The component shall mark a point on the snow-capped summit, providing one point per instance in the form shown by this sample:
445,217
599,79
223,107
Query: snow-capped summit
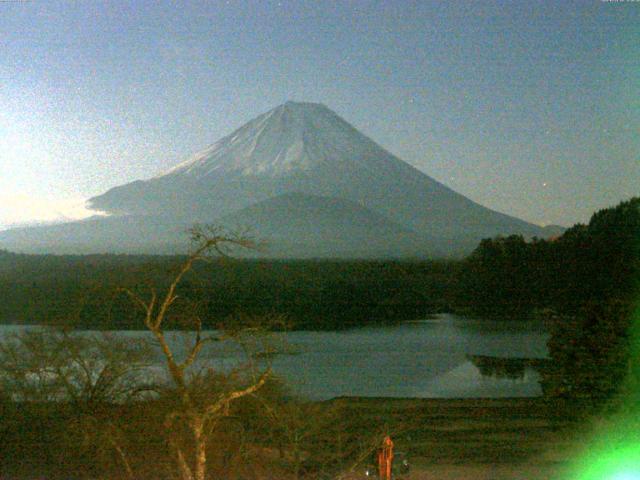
293,136
306,179
295,147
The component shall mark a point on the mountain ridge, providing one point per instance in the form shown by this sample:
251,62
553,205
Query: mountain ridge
306,148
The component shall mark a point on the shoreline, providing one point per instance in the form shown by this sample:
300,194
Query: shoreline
480,438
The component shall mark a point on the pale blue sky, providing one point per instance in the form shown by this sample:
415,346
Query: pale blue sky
530,108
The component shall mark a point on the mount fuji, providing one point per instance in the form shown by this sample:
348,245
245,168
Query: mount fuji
300,177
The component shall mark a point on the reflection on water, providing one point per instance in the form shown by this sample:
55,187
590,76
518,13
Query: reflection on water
427,358
511,368
416,359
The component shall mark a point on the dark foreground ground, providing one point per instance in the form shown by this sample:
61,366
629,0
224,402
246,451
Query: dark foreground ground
478,439
491,439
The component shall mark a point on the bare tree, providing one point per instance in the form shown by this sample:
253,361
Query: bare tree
201,399
307,434
87,372
93,373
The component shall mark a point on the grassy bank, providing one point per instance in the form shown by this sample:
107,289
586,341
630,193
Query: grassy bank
516,438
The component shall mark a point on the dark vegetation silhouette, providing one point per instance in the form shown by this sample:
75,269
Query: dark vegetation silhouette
597,262
321,294
584,282
92,405
74,403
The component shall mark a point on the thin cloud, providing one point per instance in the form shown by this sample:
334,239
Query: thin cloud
19,209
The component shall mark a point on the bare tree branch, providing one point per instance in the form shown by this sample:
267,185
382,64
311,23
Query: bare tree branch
193,412
225,399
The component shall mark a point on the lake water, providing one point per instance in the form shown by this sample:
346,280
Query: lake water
425,358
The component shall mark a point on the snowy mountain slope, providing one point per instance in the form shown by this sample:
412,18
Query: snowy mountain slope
306,149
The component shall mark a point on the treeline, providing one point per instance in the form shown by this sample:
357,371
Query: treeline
586,282
590,263
508,277
87,291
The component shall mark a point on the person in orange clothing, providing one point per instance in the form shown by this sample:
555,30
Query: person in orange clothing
385,459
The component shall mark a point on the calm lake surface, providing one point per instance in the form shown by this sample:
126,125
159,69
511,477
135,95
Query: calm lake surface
425,358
